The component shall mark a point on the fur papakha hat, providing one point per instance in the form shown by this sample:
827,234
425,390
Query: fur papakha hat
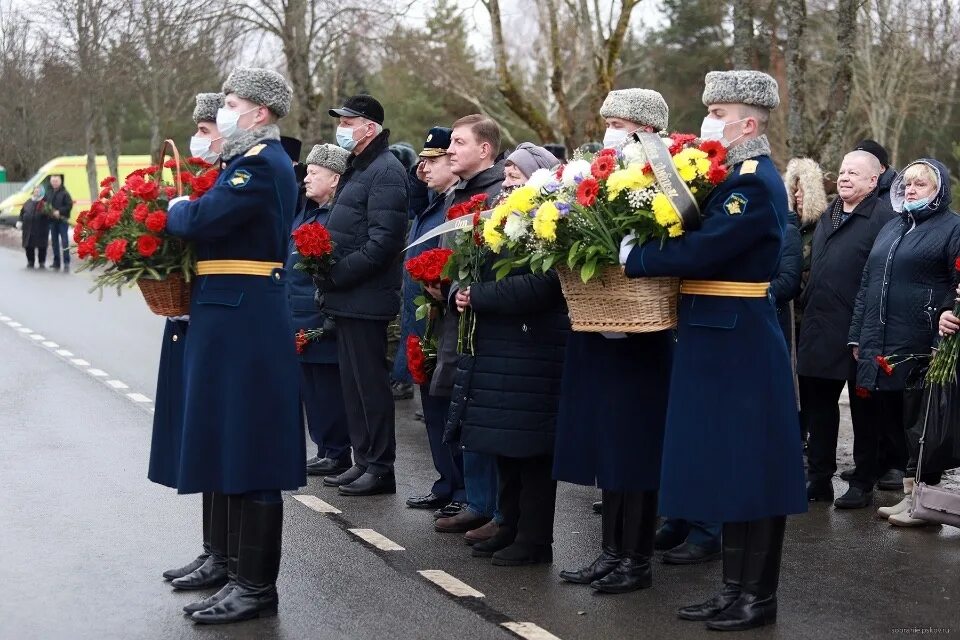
643,106
330,156
262,86
741,87
207,106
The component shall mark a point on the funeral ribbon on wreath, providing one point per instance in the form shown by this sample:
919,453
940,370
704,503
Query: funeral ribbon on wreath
669,180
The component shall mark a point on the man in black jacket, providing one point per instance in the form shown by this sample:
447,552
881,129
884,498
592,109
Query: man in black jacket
368,224
59,198
841,244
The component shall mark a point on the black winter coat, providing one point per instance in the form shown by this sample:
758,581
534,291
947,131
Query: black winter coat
505,397
60,200
368,223
786,285
836,264
35,224
909,273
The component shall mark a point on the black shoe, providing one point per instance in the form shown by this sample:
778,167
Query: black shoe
206,603
605,563
689,553
211,574
747,612
346,477
503,538
173,574
328,466
429,501
242,603
598,507
630,574
668,538
518,554
611,543
402,391
30,266
370,484
892,480
854,498
450,510
847,475
711,608
55,266
820,491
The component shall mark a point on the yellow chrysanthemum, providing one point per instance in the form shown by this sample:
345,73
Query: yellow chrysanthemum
500,214
492,236
631,177
690,155
521,199
664,213
688,172
703,166
675,231
545,222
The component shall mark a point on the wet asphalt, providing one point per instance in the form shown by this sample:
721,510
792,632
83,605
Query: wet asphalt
84,536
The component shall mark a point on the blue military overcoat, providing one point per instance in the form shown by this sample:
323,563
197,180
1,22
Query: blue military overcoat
731,451
304,313
168,407
613,407
241,426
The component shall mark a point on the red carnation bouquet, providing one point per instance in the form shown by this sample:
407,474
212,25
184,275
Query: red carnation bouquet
124,231
313,244
465,263
427,270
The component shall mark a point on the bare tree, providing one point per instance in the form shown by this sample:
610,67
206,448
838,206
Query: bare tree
829,136
796,18
744,45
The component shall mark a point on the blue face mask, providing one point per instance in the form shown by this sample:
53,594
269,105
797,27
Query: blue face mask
916,205
345,138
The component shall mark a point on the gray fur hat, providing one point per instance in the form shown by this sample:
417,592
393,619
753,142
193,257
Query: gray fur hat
643,106
330,156
741,87
207,106
262,86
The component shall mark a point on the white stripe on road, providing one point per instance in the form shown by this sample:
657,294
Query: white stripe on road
317,504
116,384
529,631
25,330
138,397
4,319
37,337
64,353
450,584
80,362
13,324
50,344
100,373
380,542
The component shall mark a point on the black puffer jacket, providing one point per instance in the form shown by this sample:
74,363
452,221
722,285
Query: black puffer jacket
368,223
786,285
908,274
505,398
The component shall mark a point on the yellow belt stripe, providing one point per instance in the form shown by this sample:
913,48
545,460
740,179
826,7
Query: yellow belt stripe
725,289
236,267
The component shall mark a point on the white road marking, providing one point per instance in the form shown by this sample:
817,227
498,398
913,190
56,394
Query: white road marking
451,585
317,504
116,384
379,541
80,362
37,337
50,344
4,318
100,373
529,631
64,353
14,324
25,330
138,397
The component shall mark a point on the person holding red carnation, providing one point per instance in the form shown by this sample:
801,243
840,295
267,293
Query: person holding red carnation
320,390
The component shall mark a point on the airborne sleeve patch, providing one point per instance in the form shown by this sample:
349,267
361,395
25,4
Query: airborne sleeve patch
239,179
735,204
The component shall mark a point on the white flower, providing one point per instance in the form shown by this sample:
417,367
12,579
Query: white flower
634,154
540,178
516,226
575,169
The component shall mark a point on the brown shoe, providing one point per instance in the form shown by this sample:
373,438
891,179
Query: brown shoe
460,523
485,532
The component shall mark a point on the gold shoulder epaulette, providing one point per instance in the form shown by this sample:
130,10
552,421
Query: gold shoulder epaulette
748,167
254,150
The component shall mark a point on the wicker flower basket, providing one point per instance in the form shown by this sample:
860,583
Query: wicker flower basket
168,297
615,303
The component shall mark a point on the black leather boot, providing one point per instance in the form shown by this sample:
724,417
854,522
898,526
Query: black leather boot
639,528
612,539
503,538
255,592
734,540
231,534
757,604
213,572
173,574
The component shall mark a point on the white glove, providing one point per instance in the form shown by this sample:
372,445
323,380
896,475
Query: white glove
19,225
626,246
177,200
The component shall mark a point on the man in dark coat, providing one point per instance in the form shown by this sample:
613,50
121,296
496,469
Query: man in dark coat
320,389
243,438
618,450
368,224
35,228
841,243
59,198
474,144
731,451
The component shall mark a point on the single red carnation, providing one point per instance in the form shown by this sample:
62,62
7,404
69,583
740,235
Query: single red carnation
204,182
885,365
301,341
87,249
106,182
140,212
198,161
111,218
115,250
170,164
134,180
603,166
607,152
478,200
863,392
477,230
956,265
147,191
77,232
560,171
588,191
147,245
458,211
156,221
717,174
171,192
105,193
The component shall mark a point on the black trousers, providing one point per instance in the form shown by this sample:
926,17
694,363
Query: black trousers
41,255
820,415
323,403
883,446
528,495
365,380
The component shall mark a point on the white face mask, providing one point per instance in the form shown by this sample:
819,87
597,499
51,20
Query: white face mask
227,121
200,148
615,138
712,129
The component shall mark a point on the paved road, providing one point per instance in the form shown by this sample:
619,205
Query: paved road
84,535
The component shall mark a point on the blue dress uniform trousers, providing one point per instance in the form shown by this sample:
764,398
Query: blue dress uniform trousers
447,458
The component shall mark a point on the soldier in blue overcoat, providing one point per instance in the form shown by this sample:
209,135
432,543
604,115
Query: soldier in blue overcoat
242,433
320,389
617,449
209,569
731,451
